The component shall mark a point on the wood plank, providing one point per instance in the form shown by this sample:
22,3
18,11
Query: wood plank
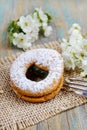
42,125
64,121
31,128
82,113
52,123
85,107
77,118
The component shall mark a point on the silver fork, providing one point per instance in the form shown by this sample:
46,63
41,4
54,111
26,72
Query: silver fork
77,85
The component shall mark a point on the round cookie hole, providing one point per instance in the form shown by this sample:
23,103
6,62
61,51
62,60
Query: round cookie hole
35,73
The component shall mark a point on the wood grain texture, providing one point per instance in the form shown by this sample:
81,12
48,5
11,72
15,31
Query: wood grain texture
65,13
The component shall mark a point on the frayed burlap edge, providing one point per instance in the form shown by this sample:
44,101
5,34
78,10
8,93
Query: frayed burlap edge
27,122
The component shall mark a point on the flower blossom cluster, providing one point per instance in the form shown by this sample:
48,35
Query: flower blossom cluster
74,50
26,29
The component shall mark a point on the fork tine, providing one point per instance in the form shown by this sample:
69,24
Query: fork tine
84,94
67,80
76,87
77,91
72,85
78,79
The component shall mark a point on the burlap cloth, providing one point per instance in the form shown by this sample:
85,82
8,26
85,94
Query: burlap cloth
15,113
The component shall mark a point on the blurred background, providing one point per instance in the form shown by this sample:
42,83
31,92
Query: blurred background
64,14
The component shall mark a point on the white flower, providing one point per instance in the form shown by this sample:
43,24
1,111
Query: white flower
75,26
84,45
21,41
44,25
47,31
64,44
69,62
33,36
76,37
30,26
28,23
36,20
84,67
42,16
74,50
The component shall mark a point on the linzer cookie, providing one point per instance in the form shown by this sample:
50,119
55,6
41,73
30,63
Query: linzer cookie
42,98
37,75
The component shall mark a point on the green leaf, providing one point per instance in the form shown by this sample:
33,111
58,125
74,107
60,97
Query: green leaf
49,17
37,16
11,37
41,31
13,27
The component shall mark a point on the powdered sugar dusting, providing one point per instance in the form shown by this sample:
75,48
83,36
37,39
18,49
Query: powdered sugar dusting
45,57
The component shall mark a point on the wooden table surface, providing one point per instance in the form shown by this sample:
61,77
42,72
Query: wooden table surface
65,13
